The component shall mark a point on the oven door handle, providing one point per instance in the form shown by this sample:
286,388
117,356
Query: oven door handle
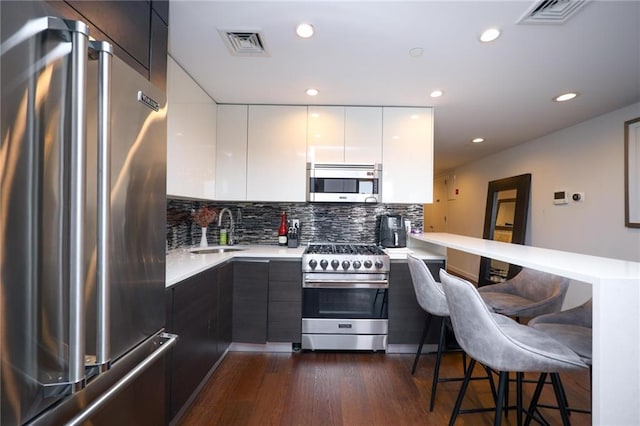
346,284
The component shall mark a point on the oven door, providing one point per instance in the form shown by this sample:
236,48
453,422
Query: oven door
345,302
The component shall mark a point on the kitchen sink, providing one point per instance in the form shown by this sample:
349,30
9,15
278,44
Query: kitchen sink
215,249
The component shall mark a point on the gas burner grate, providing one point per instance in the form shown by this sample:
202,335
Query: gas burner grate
344,249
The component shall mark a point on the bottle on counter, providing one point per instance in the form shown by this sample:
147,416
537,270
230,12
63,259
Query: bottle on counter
282,230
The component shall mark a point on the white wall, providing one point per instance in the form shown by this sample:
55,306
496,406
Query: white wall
587,157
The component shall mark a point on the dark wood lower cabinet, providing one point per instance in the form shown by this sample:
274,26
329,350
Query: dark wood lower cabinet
285,301
406,317
225,307
250,299
199,312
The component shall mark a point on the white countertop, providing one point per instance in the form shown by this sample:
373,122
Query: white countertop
581,267
182,264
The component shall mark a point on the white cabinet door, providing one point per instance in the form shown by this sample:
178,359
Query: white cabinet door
407,155
325,135
339,134
277,153
191,137
231,155
363,135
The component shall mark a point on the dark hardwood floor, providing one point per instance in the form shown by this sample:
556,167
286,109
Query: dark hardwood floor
331,388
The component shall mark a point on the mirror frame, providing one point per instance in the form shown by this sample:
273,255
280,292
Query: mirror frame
522,185
631,174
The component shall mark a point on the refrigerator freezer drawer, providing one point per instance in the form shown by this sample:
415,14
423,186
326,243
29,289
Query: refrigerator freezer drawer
131,392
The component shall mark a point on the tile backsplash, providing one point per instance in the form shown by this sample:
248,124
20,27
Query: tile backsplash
257,223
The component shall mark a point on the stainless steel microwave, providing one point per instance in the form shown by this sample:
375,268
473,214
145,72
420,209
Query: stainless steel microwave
338,182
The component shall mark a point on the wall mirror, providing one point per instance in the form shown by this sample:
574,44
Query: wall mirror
632,173
505,220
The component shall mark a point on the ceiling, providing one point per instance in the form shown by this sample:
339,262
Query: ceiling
501,91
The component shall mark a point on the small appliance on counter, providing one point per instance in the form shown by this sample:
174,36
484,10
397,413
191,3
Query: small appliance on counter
393,232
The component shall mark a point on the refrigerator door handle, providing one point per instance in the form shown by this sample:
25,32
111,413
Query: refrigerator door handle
127,379
63,27
102,52
79,42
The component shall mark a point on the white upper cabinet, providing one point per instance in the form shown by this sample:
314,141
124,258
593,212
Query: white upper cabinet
276,157
231,156
339,134
407,155
363,135
325,135
191,137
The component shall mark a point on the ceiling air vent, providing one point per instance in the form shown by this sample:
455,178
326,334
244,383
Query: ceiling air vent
244,43
551,11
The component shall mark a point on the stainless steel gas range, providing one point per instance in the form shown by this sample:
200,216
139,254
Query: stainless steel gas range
345,297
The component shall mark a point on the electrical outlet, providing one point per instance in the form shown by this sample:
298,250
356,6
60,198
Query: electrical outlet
577,196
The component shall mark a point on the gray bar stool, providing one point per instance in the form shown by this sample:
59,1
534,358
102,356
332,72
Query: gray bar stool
432,300
573,328
503,345
530,293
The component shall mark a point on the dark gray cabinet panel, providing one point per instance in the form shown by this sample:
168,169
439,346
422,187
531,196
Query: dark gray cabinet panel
285,301
406,317
126,23
250,298
138,31
194,319
225,304
198,310
158,52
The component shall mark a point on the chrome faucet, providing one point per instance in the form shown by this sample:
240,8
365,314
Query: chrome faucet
231,236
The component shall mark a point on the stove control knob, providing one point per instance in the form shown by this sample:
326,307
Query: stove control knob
324,263
379,264
356,264
335,264
313,263
367,264
345,264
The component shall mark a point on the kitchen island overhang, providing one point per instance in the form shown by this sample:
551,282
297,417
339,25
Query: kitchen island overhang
616,323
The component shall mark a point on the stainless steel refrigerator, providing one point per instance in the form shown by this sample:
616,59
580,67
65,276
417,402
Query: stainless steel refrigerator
82,228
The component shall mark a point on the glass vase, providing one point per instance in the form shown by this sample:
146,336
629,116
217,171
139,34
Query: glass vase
203,237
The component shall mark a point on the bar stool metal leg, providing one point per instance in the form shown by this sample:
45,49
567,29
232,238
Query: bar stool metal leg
424,337
436,371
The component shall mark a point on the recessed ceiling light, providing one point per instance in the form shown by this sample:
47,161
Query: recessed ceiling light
304,30
416,52
312,92
565,97
436,93
490,35
477,140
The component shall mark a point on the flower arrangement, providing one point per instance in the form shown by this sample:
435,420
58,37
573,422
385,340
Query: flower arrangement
204,216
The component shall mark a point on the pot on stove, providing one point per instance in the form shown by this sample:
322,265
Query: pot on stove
392,231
